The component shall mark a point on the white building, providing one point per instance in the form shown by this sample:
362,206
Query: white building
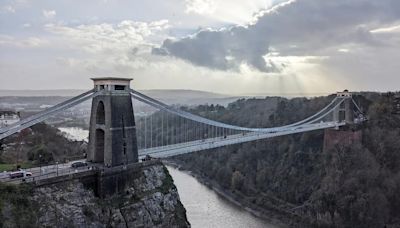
8,117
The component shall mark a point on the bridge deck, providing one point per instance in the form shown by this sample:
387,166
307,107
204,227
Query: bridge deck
210,143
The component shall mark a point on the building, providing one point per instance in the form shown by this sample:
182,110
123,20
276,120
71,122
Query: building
8,117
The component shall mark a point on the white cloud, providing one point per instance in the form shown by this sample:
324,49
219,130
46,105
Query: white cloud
49,13
290,63
99,49
344,50
200,6
30,42
12,6
390,29
126,36
227,11
26,25
9,9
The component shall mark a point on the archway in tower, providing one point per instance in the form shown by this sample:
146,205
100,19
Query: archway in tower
99,153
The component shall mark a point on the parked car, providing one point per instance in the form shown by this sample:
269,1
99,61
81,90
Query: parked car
19,174
78,164
147,158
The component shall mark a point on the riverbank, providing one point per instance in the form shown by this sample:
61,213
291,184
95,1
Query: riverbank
275,215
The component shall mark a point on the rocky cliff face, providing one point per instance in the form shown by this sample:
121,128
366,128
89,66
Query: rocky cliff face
150,201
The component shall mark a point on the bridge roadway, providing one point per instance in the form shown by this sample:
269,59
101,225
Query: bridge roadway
210,143
61,169
48,171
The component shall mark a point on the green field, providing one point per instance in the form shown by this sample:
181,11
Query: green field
9,167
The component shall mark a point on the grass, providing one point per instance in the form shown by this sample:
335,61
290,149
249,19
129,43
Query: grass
10,167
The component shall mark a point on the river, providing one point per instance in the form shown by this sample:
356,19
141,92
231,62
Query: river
204,207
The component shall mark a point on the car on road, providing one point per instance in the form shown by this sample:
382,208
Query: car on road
78,164
147,158
19,174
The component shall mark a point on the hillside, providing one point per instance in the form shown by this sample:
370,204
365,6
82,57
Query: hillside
346,186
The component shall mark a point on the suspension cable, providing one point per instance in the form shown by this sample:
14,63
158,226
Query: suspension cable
193,117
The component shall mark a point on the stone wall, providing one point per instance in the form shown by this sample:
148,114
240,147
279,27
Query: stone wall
343,137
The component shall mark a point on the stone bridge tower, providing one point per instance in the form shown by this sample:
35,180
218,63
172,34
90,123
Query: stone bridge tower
112,133
345,110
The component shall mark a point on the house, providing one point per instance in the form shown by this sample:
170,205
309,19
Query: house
8,117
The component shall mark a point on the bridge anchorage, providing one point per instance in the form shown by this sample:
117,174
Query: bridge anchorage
117,140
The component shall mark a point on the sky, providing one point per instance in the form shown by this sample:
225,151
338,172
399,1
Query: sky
223,46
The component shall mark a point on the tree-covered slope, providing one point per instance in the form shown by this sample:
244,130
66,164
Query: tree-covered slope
345,186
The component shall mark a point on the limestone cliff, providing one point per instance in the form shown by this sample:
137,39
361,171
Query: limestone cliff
151,200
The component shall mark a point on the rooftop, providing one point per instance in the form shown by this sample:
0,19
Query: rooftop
112,78
7,112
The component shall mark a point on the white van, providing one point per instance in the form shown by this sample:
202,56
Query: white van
19,174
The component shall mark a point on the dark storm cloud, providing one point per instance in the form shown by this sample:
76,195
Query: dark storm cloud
303,27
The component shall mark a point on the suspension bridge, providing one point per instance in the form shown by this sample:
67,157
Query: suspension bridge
117,138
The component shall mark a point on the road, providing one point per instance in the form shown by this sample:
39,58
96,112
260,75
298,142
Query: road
47,172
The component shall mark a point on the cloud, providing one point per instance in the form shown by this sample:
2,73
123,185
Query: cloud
49,13
108,48
126,36
30,42
225,12
344,50
292,28
391,29
12,6
9,9
200,6
297,46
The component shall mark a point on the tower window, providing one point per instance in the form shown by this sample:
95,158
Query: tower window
119,87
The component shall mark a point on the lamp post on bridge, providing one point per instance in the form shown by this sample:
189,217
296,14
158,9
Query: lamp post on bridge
40,164
57,167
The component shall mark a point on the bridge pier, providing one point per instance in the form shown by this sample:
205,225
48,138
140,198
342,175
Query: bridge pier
116,179
344,112
112,133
